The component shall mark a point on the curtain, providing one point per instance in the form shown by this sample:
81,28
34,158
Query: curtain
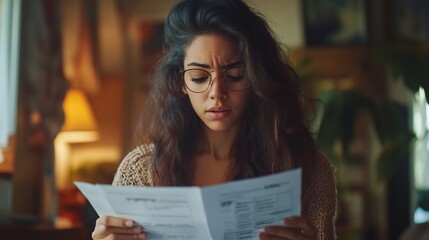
78,39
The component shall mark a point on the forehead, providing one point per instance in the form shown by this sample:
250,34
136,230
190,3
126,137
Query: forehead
212,49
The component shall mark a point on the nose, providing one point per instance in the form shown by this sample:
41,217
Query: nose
218,89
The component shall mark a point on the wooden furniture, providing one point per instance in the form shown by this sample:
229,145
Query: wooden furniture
19,231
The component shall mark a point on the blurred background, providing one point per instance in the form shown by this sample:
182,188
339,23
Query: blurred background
73,80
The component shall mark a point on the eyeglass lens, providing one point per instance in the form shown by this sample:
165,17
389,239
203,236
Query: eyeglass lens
198,80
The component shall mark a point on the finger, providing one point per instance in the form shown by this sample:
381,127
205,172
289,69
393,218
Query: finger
103,230
267,236
118,233
281,232
100,231
125,231
115,221
125,237
302,224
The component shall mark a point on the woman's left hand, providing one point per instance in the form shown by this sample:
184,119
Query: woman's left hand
293,228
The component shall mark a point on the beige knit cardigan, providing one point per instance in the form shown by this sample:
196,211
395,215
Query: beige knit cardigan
318,187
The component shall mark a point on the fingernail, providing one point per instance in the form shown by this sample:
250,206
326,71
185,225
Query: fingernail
142,236
129,223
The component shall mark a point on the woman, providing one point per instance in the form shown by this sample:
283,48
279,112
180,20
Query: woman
225,105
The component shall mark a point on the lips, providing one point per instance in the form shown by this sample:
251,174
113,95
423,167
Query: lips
218,112
218,109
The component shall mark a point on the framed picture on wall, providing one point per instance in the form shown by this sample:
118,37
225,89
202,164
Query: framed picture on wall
412,20
339,22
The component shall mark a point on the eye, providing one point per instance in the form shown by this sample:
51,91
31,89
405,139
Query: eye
202,79
197,76
234,74
234,78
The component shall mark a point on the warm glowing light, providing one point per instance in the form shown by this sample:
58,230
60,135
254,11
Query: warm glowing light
79,127
78,114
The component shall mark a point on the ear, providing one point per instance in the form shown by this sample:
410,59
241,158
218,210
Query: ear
184,89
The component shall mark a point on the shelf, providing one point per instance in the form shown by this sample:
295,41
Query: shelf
331,62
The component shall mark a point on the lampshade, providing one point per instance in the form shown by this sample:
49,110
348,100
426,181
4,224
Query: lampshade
79,127
79,124
78,113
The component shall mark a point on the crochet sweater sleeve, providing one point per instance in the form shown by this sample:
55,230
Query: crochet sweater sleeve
319,197
134,170
318,187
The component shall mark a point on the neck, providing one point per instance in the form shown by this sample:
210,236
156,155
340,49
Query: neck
219,145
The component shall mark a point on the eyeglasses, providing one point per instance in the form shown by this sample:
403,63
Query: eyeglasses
199,80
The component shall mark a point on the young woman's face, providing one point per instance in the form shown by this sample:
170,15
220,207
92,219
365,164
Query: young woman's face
219,103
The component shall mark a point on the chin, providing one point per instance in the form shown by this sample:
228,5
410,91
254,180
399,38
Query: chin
218,128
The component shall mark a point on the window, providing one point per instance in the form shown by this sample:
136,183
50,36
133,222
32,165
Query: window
421,155
9,58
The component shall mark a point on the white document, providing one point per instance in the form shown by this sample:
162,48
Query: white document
232,211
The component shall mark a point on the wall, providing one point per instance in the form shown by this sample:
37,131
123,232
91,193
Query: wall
285,18
6,196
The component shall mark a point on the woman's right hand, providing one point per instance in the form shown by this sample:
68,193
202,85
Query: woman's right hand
108,227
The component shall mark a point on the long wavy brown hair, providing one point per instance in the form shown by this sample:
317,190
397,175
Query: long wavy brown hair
275,134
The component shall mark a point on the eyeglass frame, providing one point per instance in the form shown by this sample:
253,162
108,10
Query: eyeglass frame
183,71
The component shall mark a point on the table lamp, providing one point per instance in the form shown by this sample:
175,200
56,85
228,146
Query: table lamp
79,127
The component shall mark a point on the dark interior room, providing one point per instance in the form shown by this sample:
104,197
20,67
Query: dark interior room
74,79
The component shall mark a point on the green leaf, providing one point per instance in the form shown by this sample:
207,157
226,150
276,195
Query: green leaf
339,119
411,64
393,117
305,77
392,152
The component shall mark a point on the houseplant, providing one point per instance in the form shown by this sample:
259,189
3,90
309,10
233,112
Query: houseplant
341,108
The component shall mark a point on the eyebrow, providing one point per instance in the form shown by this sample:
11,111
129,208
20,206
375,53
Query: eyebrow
229,65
